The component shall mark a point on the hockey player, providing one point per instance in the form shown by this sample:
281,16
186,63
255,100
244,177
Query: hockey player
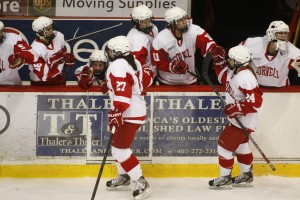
273,55
12,48
126,80
243,98
173,51
49,42
93,73
142,34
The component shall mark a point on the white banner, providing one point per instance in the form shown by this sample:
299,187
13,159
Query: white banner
115,8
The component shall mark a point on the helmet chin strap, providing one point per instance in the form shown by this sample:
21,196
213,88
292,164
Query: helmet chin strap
238,65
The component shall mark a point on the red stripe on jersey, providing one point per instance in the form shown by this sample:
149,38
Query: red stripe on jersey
141,55
135,118
159,58
202,43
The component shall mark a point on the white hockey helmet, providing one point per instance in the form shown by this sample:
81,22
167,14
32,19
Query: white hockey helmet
120,46
174,14
98,55
275,27
1,25
141,12
40,23
240,54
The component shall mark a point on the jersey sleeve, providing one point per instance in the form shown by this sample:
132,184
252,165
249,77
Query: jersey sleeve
221,73
159,57
204,43
25,51
141,55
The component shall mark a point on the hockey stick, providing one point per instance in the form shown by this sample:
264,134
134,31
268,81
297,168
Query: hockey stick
71,50
205,66
103,163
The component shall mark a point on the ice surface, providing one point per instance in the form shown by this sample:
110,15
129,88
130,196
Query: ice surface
265,187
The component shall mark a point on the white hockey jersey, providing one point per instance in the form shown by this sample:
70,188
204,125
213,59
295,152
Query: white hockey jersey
167,48
271,70
141,44
125,90
46,52
242,86
9,76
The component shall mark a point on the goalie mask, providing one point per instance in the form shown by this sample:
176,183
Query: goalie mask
99,63
275,28
239,56
176,15
142,18
43,26
117,47
2,33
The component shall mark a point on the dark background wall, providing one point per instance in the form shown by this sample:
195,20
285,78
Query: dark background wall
229,22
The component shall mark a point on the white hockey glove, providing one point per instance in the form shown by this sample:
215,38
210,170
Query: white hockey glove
296,64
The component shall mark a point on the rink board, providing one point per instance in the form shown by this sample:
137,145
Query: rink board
63,133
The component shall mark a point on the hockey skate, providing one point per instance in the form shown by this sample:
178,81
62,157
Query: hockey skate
243,180
121,183
142,189
221,183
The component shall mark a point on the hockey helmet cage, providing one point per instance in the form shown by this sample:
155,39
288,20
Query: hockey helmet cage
120,46
275,27
240,54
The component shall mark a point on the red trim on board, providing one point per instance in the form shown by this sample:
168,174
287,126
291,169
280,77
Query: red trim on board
190,88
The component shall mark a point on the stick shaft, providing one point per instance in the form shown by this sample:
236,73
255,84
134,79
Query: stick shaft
102,164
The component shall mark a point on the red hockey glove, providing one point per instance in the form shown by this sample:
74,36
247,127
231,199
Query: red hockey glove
178,67
70,60
115,119
15,61
103,86
148,76
85,78
218,56
56,59
233,110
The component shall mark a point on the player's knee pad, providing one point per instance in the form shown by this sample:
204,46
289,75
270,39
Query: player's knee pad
120,154
243,149
224,153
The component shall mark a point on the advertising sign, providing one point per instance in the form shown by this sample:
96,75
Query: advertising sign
183,126
41,8
65,123
187,125
114,8
12,7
